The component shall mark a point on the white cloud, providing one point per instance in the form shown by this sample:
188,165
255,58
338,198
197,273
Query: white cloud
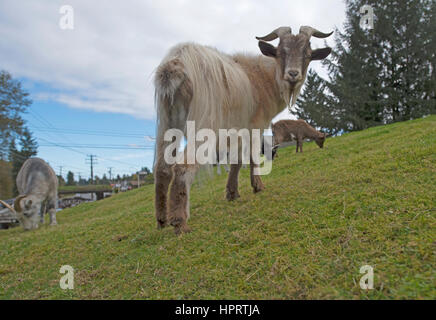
106,63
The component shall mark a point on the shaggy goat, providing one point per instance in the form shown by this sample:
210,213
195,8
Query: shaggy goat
298,130
220,91
38,186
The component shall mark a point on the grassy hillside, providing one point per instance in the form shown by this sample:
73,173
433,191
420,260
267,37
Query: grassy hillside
367,199
98,187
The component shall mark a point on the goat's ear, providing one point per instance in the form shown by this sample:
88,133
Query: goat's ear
320,54
28,203
268,49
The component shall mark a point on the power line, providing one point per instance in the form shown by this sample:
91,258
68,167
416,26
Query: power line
98,146
18,155
69,148
56,164
48,125
61,146
94,132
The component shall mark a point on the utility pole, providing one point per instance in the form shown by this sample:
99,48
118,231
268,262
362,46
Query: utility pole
79,175
60,170
91,160
110,173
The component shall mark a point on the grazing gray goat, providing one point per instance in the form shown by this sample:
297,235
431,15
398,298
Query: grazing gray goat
38,186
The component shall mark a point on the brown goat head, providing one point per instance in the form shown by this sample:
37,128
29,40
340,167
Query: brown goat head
320,139
293,55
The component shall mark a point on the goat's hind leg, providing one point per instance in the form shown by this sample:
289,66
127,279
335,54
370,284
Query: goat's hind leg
256,182
42,212
232,182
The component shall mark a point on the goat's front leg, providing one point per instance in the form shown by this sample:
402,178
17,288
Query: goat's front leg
52,214
183,176
42,213
232,183
256,182
300,144
52,206
162,178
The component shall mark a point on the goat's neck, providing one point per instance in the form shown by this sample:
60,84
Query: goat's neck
280,93
311,133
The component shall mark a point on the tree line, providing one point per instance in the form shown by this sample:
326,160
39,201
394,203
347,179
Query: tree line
146,177
16,141
375,76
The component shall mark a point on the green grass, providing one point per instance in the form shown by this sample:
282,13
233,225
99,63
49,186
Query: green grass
368,198
98,187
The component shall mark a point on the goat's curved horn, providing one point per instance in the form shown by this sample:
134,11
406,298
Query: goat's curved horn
277,33
8,206
17,201
312,32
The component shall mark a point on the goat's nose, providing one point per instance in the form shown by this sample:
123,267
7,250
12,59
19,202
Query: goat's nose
293,73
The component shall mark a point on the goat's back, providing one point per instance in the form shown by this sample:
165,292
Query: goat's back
221,91
36,176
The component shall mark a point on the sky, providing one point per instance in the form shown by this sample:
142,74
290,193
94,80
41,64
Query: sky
92,86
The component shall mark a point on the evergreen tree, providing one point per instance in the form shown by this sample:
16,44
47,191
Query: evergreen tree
13,102
61,180
70,179
104,179
407,52
314,105
29,148
377,76
146,170
82,182
430,85
6,182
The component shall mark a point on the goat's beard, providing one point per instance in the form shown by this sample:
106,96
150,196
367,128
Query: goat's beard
296,92
289,92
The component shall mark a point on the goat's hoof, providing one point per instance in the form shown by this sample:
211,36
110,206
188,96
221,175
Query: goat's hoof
161,224
231,196
178,230
53,224
180,226
258,189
